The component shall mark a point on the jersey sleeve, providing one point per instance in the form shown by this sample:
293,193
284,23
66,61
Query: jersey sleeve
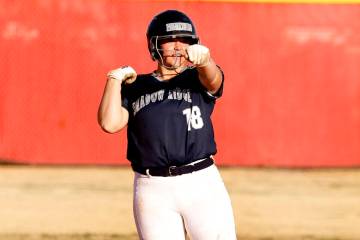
124,97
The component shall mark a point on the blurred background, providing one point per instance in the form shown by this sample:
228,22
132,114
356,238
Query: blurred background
291,101
292,91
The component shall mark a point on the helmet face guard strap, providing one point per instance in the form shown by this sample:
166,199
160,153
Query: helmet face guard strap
160,58
168,25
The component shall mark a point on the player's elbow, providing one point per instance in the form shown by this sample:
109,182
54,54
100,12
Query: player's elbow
111,126
109,129
113,121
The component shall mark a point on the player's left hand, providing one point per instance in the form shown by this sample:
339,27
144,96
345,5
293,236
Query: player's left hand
198,55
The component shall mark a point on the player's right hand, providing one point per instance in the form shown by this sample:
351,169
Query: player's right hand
124,74
198,54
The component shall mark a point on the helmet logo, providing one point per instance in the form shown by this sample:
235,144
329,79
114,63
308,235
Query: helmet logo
178,26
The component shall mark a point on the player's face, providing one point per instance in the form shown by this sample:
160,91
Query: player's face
173,51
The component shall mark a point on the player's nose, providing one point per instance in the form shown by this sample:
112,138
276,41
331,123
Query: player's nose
178,45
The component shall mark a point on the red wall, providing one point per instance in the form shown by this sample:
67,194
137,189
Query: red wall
292,91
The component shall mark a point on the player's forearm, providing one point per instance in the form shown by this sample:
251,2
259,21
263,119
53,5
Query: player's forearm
112,117
210,76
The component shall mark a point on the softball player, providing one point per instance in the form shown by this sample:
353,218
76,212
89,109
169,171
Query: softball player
177,187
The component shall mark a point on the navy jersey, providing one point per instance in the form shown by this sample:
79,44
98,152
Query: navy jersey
169,121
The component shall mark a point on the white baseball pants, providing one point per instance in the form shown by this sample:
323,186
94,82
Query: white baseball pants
198,203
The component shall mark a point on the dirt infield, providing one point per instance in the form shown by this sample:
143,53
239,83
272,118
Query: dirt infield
89,203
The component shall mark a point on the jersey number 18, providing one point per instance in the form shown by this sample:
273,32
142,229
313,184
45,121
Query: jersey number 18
193,118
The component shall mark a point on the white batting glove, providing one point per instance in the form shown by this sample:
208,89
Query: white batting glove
124,74
198,55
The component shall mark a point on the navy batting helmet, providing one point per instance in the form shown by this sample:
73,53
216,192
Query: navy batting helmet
169,24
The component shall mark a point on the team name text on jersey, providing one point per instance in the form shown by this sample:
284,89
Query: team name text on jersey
175,94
